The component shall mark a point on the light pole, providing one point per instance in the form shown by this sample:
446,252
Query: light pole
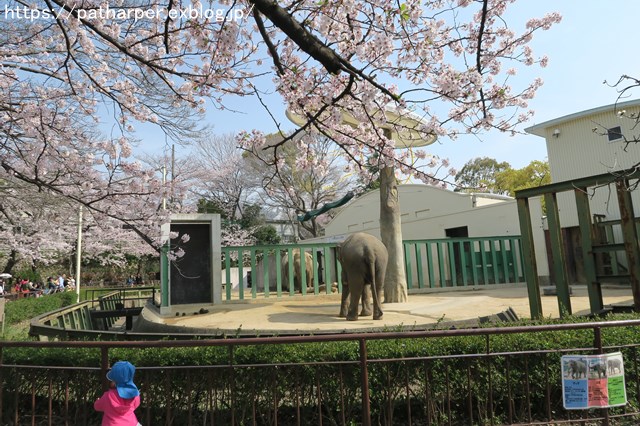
403,129
79,254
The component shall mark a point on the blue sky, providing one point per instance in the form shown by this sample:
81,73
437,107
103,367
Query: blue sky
594,42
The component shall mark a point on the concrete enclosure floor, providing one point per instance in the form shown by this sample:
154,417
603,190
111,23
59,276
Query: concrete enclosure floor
319,314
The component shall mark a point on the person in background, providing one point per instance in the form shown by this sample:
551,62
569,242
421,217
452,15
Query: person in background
61,279
51,285
120,402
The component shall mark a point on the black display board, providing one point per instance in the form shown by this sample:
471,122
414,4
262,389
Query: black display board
191,274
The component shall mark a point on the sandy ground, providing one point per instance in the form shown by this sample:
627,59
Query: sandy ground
318,314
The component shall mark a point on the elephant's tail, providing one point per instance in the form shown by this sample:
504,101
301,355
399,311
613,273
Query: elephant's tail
371,265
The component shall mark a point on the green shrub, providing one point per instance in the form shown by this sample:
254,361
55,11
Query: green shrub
26,308
426,375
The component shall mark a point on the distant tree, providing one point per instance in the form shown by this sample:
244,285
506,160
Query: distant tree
211,206
266,234
252,216
535,174
310,175
480,174
220,175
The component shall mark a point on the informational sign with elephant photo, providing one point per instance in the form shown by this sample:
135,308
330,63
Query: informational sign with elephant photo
593,381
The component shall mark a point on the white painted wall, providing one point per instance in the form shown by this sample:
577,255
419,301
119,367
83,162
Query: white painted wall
576,151
426,212
234,277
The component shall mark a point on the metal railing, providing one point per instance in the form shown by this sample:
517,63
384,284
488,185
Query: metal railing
128,295
492,377
77,322
433,263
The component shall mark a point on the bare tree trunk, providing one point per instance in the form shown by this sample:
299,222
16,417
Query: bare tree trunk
11,262
395,283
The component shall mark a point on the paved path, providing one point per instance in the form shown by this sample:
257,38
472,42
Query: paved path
319,314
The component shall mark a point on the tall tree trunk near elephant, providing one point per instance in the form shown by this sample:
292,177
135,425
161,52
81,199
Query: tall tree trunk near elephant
395,283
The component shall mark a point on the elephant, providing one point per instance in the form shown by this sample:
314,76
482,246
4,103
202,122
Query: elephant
598,370
364,264
296,270
577,369
614,366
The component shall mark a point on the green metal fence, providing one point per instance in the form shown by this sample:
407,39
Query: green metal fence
460,262
434,263
268,277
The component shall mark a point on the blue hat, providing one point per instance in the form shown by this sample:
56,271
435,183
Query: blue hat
122,374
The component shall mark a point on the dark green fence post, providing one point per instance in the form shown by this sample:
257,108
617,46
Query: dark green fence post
241,274
407,264
588,259
227,270
452,263
432,280
441,264
630,237
419,268
559,259
254,275
328,281
315,277
463,262
303,272
278,271
529,256
483,260
474,261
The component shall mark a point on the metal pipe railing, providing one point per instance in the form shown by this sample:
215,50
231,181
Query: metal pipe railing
519,367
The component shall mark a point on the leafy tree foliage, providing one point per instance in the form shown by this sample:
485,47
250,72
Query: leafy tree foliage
487,174
479,174
211,206
266,234
534,174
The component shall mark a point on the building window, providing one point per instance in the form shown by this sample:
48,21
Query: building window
614,133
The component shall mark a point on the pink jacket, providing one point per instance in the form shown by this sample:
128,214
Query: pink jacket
117,411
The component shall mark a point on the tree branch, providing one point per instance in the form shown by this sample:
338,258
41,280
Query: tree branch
296,32
272,49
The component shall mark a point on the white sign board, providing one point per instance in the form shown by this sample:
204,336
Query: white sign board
590,381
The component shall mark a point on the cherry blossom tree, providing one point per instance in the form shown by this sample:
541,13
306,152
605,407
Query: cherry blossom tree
221,174
39,228
82,62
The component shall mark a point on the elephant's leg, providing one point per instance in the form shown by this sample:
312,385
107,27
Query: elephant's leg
309,276
376,290
377,306
344,302
366,301
355,292
296,284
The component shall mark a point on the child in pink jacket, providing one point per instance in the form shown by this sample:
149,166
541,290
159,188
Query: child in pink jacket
120,402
